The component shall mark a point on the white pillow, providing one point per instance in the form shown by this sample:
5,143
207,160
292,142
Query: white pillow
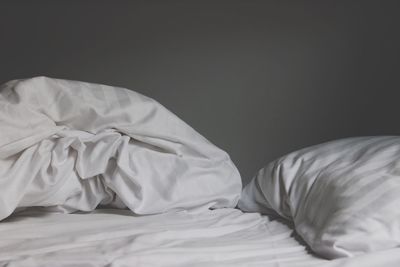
342,196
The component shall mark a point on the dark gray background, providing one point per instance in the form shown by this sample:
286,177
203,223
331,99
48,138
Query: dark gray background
257,78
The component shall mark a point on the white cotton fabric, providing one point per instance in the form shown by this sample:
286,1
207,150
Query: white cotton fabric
73,146
222,237
343,196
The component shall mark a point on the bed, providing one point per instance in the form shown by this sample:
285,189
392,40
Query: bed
93,175
110,237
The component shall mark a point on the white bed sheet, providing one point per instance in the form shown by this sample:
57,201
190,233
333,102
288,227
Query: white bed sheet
116,238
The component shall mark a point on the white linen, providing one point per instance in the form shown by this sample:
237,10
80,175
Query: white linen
117,238
73,146
223,237
343,196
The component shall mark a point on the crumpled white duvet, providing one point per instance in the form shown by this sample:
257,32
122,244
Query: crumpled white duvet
71,146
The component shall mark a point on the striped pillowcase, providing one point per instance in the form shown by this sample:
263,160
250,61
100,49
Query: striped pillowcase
342,196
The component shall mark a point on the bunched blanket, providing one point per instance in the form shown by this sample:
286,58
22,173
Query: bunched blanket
70,146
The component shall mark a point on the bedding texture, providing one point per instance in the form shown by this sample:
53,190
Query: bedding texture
342,196
70,146
105,237
117,238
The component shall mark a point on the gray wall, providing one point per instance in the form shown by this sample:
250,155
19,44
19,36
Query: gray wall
257,78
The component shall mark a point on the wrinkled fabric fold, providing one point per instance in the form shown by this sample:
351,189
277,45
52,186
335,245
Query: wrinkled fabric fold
78,145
